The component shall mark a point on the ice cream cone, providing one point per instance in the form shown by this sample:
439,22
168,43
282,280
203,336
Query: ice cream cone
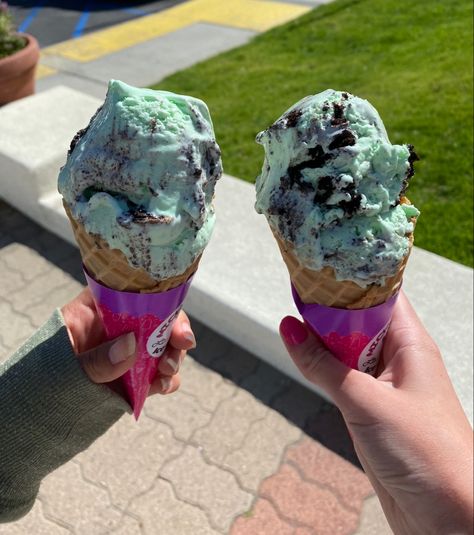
142,176
111,268
332,188
323,288
141,304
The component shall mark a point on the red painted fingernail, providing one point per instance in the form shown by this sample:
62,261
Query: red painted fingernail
293,331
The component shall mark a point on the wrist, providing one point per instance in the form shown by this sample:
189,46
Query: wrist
456,516
458,523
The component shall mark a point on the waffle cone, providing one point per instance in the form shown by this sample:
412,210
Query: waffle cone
323,288
110,267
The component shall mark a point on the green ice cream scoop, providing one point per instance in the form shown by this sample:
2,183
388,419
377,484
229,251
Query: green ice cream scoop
141,176
332,184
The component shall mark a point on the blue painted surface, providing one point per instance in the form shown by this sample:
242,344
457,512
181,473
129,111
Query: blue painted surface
43,17
81,24
30,18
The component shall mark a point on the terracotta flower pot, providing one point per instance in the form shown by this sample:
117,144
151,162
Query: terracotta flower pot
17,72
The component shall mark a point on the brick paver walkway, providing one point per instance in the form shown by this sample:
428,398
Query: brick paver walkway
239,449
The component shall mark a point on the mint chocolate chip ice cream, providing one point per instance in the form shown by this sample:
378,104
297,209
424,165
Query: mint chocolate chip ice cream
141,177
332,186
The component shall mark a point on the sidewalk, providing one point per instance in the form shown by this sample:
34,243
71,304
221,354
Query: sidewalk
239,449
143,51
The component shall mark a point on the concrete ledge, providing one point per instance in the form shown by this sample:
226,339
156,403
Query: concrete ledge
242,289
35,133
242,286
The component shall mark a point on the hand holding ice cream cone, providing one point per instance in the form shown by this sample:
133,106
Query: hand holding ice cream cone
104,362
333,189
138,188
409,430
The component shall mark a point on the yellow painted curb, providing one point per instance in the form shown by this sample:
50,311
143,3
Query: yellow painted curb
254,15
43,70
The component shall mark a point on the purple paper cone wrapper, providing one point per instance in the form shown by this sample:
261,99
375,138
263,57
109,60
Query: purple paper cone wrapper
151,317
355,337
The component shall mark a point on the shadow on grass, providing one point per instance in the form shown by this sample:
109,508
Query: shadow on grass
318,418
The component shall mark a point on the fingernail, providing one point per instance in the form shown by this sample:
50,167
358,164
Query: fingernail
173,364
123,348
165,383
293,331
188,333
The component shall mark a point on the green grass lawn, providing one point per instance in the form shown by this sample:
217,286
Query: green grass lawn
411,59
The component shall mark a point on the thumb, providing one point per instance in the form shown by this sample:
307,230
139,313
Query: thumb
319,365
111,360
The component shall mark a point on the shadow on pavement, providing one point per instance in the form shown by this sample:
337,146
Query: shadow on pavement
16,228
318,418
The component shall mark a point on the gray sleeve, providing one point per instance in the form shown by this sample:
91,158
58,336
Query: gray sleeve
49,412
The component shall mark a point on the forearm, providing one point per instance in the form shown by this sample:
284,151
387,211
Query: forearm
437,496
49,412
457,495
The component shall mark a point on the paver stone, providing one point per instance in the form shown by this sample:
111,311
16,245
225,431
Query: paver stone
262,450
25,260
229,425
19,326
308,504
67,497
163,513
214,490
204,384
261,519
323,466
127,459
34,523
180,411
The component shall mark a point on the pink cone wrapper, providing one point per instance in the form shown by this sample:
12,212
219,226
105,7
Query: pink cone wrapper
355,337
151,317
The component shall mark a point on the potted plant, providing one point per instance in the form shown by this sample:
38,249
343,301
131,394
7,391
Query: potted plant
19,55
